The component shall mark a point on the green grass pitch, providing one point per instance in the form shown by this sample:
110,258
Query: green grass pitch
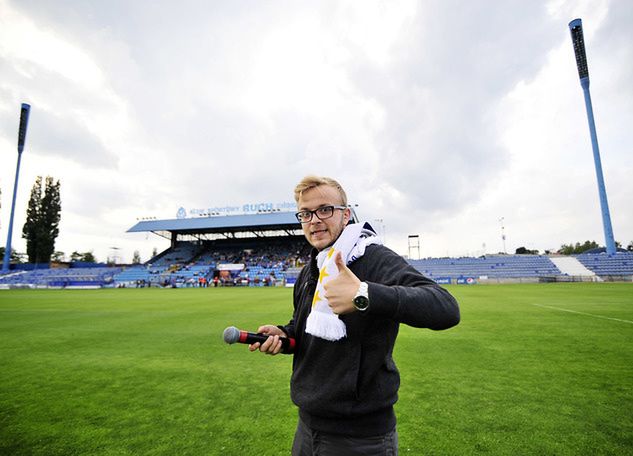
145,372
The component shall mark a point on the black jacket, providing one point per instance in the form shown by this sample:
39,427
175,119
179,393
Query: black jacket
350,386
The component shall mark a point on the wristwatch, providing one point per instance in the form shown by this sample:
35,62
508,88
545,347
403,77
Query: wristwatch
361,300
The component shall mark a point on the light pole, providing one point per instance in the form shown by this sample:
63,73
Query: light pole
414,245
578,41
24,121
114,255
503,235
382,230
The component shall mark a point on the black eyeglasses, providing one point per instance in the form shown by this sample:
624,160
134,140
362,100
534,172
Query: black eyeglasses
322,213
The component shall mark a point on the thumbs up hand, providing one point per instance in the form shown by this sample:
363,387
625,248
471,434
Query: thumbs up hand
340,291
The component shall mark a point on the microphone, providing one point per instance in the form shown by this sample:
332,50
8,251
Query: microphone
232,335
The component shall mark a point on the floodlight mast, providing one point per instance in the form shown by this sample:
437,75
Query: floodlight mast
578,41
24,121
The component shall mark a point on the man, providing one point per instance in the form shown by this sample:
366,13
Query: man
346,383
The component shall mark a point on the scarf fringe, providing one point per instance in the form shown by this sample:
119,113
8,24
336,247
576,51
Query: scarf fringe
325,326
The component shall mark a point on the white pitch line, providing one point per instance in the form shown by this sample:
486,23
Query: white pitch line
583,313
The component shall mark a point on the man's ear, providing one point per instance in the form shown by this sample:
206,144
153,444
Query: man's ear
347,216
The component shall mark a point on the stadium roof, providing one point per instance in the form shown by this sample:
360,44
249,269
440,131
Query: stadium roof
267,221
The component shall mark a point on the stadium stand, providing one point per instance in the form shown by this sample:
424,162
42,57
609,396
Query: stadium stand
273,262
132,276
619,264
268,249
252,262
174,275
83,277
183,252
487,267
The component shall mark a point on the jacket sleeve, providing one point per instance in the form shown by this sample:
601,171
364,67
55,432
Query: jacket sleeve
289,328
398,291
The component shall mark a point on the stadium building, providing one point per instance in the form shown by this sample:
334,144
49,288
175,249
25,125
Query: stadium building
267,248
261,249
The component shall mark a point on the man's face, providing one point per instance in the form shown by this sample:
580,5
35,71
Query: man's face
323,233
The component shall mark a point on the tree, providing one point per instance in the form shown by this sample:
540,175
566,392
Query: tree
42,220
524,251
15,256
58,256
30,229
51,215
578,248
86,257
136,259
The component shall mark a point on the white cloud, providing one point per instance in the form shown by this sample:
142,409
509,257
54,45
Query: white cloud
24,42
438,117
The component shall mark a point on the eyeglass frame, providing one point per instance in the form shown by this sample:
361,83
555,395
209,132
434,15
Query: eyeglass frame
314,212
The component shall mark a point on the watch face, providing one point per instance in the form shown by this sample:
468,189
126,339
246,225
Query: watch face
361,302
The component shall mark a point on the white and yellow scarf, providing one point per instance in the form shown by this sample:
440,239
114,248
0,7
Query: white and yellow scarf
322,322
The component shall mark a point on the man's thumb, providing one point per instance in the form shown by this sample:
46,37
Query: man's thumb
340,263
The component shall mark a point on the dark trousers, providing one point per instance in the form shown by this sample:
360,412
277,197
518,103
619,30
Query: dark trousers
308,442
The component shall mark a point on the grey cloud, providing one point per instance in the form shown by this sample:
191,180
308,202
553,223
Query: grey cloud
180,71
66,137
95,194
56,126
448,74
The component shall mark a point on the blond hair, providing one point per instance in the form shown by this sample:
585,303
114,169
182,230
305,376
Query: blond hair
312,181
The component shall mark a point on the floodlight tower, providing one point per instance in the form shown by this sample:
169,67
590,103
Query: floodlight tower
414,245
578,41
24,121
503,234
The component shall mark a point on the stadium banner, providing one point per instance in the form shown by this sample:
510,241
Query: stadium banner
290,282
230,267
466,281
442,280
248,208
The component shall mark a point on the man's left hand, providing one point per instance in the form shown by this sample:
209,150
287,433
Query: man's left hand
341,290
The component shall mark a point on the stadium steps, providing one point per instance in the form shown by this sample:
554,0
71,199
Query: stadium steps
12,274
571,266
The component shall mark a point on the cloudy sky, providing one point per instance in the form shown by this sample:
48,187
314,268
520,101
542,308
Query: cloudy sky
445,119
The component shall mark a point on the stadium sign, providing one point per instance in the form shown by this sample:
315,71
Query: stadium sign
231,267
250,208
442,280
466,281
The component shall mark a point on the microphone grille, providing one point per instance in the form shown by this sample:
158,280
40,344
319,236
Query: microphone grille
231,335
